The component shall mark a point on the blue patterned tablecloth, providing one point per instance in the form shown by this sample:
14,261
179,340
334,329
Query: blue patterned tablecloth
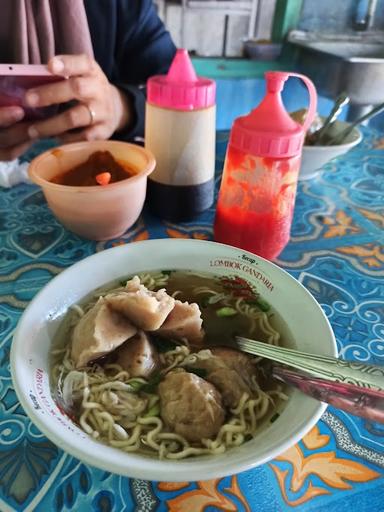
336,251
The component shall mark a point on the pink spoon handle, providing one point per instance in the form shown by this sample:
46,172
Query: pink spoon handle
367,403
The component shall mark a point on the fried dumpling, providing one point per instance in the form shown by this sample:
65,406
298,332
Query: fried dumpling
184,321
98,332
146,309
138,356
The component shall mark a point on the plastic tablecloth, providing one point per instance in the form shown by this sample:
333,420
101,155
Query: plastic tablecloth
335,251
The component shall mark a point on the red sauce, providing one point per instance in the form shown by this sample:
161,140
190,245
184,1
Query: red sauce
256,203
252,231
84,174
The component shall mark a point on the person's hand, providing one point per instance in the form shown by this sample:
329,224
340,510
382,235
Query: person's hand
101,109
14,138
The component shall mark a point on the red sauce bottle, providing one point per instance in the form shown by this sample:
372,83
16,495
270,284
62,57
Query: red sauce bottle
257,193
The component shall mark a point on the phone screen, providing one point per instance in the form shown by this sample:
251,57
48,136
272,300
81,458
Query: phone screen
14,87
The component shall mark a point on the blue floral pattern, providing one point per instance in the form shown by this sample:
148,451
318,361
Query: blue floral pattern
335,251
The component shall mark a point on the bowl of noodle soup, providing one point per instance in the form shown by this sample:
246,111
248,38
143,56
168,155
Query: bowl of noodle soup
200,410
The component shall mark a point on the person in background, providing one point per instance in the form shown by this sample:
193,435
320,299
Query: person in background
105,48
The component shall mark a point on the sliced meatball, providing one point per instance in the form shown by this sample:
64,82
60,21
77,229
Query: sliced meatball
138,356
227,380
190,406
148,310
237,361
98,332
184,321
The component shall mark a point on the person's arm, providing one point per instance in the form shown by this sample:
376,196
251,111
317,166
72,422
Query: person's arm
100,109
143,48
130,44
109,102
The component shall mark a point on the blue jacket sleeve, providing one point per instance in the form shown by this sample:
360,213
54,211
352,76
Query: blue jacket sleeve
131,44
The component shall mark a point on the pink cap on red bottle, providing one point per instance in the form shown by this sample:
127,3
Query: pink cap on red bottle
181,88
269,130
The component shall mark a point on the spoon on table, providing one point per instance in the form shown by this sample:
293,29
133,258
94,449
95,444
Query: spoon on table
352,386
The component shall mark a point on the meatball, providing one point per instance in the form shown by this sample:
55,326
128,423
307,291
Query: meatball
190,406
237,361
229,375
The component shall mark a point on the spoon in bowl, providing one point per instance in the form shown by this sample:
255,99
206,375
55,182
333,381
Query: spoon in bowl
317,138
349,385
366,403
339,138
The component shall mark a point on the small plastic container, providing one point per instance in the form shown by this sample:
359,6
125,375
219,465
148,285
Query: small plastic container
96,213
180,132
258,189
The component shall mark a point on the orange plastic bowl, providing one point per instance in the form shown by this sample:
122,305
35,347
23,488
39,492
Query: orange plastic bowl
96,213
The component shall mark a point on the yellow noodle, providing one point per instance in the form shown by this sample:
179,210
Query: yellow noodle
240,405
78,309
112,412
199,290
149,431
97,423
111,366
148,439
84,425
154,280
173,358
119,431
173,437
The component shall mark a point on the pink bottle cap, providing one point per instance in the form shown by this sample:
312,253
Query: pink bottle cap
181,88
269,131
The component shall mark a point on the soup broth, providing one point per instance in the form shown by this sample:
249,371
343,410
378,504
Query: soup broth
213,295
229,306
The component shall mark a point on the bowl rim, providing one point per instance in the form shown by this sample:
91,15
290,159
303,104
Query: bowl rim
36,178
162,470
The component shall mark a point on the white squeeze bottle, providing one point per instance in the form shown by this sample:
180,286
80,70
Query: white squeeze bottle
180,132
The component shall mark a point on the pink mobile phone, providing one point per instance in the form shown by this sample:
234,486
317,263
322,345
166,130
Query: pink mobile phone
16,79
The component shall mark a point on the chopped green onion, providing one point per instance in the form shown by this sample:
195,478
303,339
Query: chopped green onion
152,400
213,299
167,272
262,304
274,417
226,311
136,385
153,411
152,384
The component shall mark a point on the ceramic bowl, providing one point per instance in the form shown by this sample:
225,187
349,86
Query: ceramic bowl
304,323
315,157
96,213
